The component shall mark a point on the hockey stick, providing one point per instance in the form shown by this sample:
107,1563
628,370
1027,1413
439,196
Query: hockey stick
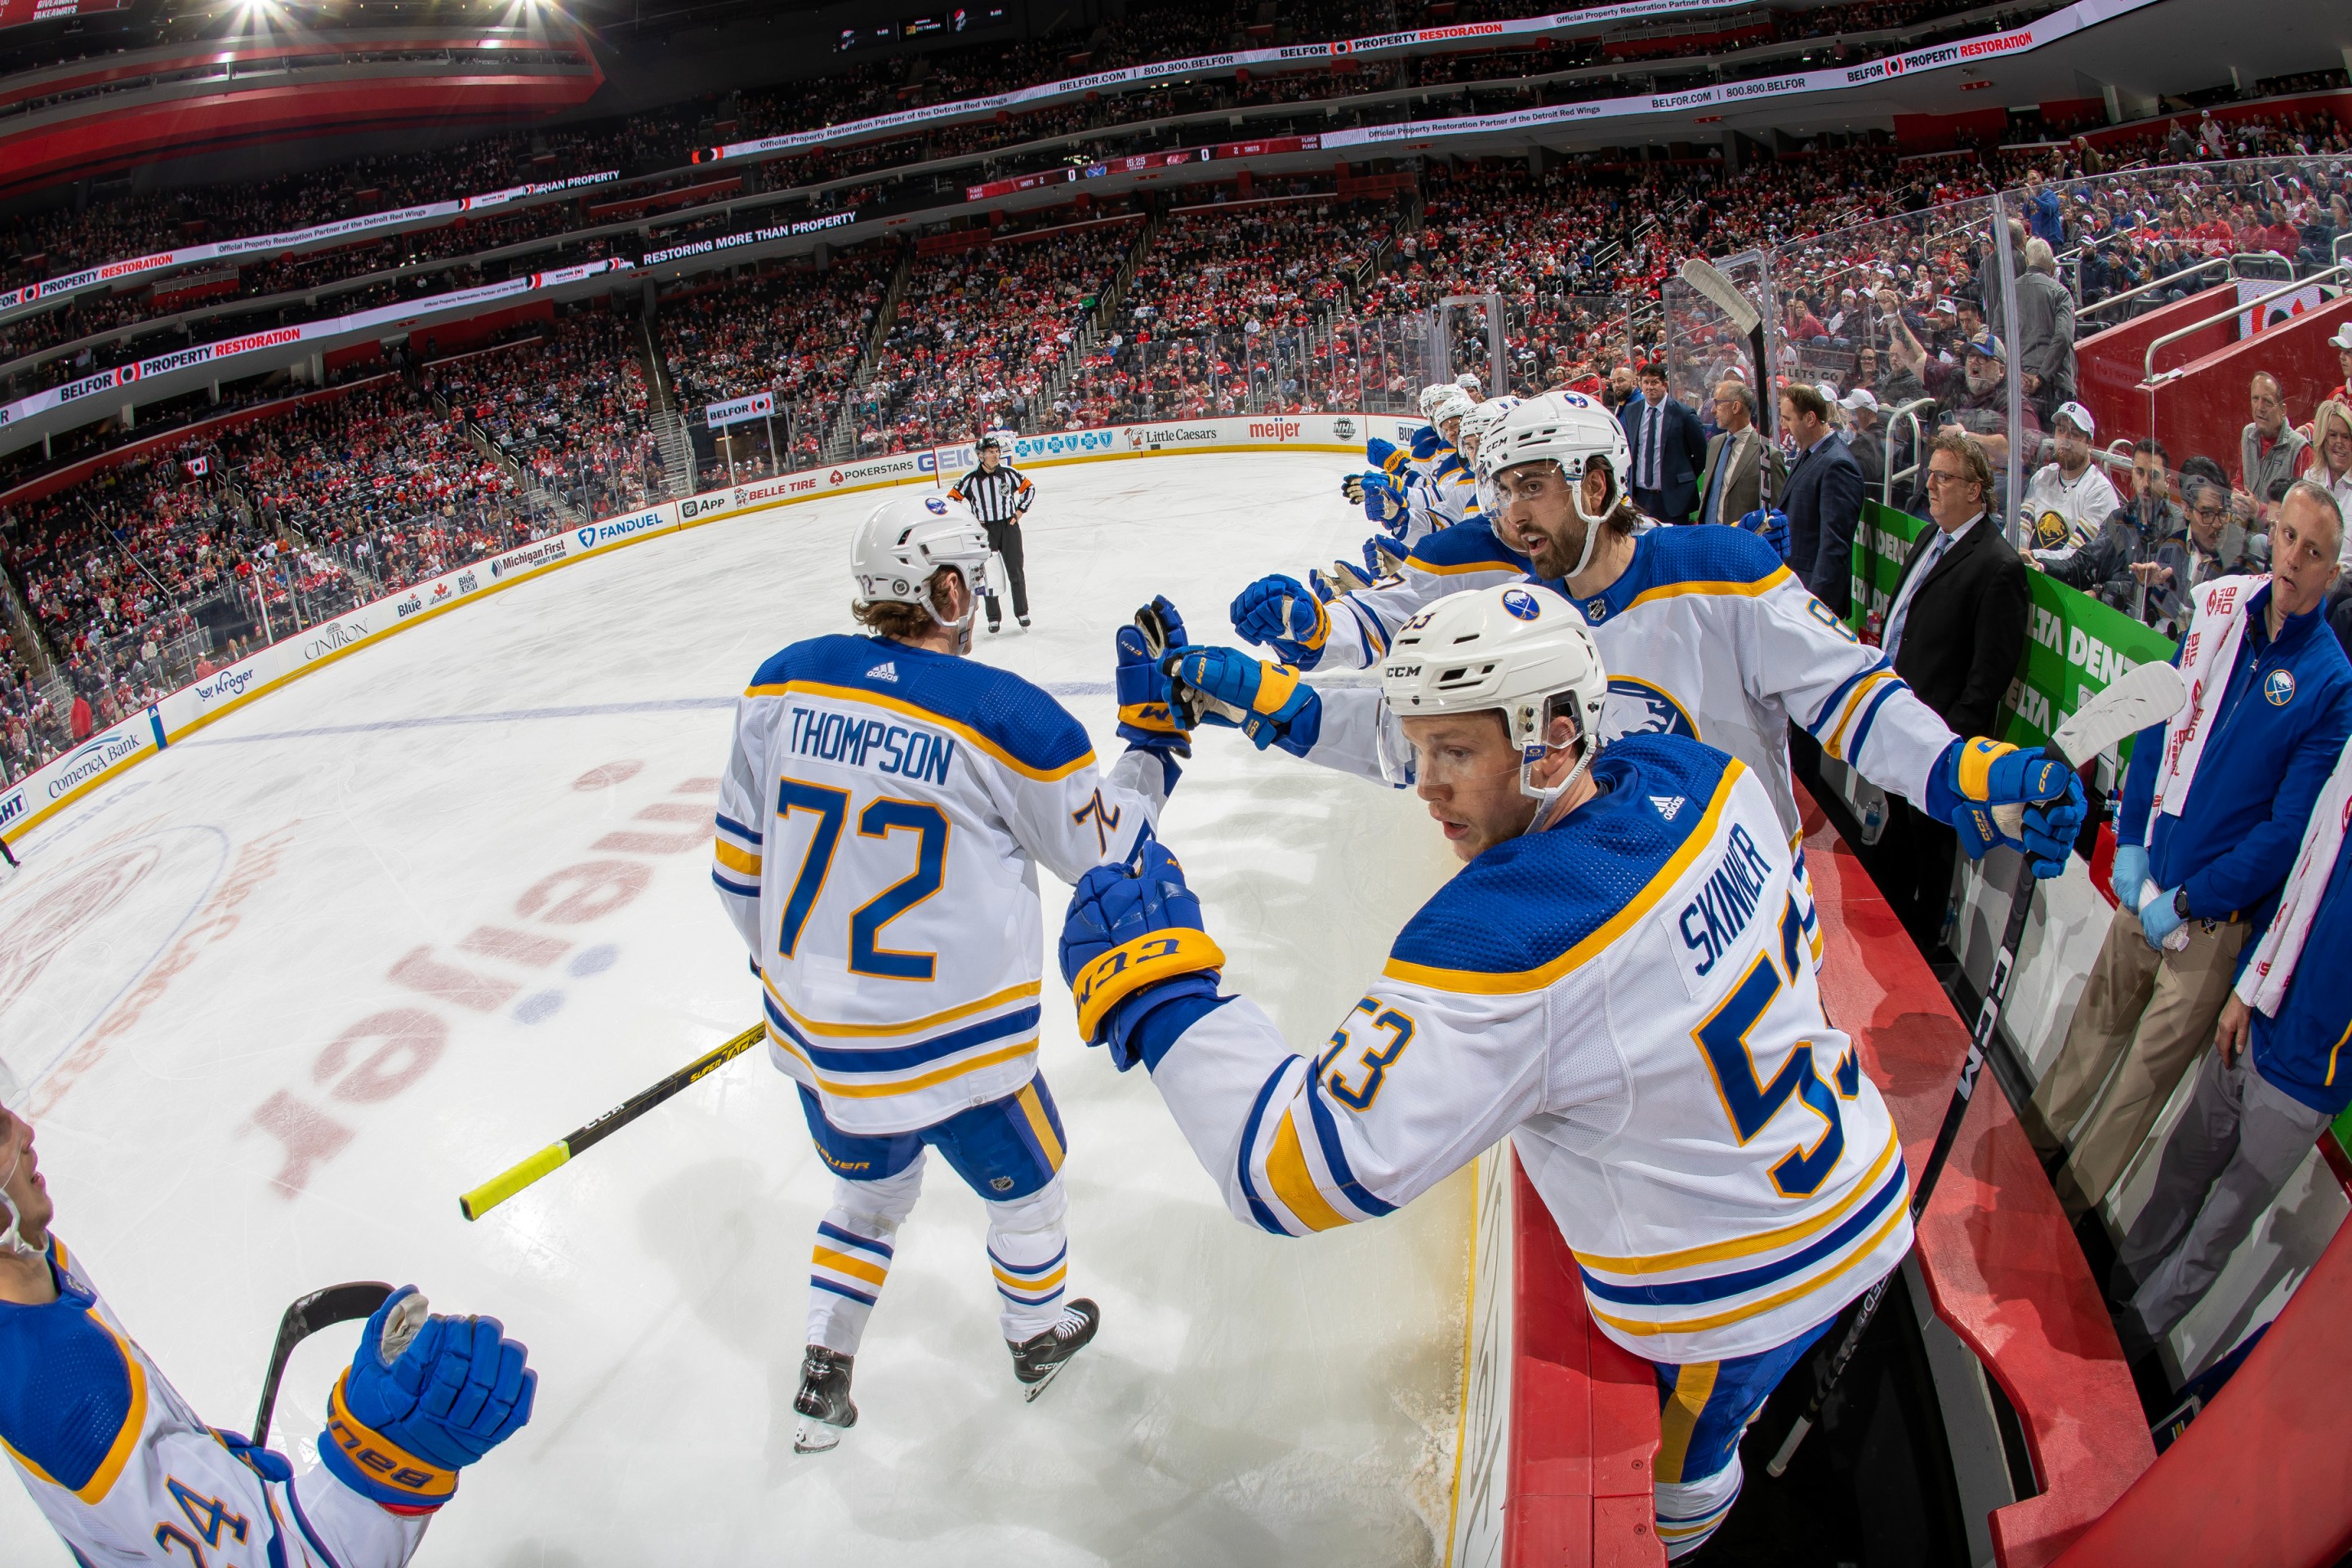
307,1316
1747,320
508,1182
2143,695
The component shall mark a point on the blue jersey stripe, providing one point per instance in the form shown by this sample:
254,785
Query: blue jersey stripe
737,829
897,1059
1836,703
1870,715
827,1227
1327,1133
838,1289
1026,1267
1263,1214
1689,1292
740,889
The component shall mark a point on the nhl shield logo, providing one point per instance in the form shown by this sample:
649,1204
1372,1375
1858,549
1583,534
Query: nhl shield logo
1001,1184
1596,611
1344,428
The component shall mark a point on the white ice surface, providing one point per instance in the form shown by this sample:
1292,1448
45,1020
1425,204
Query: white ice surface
191,948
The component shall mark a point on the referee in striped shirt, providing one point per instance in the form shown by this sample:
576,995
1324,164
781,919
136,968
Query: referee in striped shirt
998,496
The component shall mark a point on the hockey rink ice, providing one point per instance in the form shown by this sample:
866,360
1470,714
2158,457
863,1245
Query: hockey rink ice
279,994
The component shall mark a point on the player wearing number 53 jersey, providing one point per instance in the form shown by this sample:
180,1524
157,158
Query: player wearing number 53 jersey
883,814
1617,980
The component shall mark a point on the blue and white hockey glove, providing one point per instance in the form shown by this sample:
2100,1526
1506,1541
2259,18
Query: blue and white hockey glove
1352,486
1277,708
1146,717
2130,874
1131,944
1383,555
1279,613
1773,525
400,1429
1384,502
1387,457
1973,777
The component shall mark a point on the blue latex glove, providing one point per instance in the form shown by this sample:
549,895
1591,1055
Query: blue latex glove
1279,613
2129,876
1145,716
1773,525
2050,828
2160,920
1280,708
399,1431
1132,943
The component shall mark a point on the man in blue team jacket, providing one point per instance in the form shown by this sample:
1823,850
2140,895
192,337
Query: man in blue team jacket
2145,1012
2245,1133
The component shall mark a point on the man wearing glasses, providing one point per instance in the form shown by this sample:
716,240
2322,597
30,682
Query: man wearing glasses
1736,458
1956,633
2212,546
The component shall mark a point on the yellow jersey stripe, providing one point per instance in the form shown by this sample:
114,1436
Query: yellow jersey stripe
905,1085
932,1020
1835,745
1480,983
856,1267
1286,1169
135,1421
896,705
1766,1241
735,859
1757,1308
1464,569
1040,1125
1757,589
1693,1386
1038,1286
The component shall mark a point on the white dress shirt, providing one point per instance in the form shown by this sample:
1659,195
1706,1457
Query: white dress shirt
1893,640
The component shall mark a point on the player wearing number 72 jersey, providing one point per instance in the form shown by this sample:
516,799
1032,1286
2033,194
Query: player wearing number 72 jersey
1617,979
885,809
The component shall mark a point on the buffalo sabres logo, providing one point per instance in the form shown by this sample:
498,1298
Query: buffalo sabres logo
2279,686
1638,708
1521,605
936,505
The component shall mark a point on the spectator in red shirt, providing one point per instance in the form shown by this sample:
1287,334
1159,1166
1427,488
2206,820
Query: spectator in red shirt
81,721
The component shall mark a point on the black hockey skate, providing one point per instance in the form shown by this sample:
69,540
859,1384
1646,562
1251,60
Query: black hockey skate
823,1401
1036,1362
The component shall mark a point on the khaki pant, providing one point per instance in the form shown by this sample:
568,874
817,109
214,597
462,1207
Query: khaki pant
2142,1020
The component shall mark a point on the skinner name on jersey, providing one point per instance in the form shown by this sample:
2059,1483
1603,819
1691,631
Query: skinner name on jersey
906,750
1713,921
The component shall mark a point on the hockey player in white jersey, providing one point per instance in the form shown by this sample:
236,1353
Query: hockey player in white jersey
885,806
1616,979
1412,494
126,1471
1708,634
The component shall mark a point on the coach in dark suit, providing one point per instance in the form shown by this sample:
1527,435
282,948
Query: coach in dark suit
1956,632
1824,499
1669,449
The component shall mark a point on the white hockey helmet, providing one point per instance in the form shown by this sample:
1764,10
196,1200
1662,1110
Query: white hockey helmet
1429,397
1450,403
1574,431
1521,651
1468,382
1480,421
908,537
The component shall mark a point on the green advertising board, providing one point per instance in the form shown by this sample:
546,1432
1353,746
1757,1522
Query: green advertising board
2073,645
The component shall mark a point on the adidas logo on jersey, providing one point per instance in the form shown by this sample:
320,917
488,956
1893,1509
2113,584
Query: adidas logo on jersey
1665,806
887,670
